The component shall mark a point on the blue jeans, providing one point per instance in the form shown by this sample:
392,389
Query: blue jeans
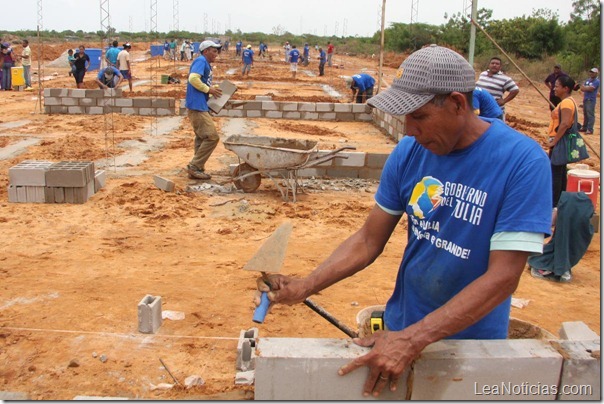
589,114
6,76
26,75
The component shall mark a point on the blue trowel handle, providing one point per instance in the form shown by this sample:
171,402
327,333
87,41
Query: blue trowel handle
261,310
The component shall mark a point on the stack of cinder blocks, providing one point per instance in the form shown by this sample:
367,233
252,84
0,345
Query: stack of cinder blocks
33,181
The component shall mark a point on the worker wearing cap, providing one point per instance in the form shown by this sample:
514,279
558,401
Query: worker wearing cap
123,63
247,57
110,77
550,82
477,197
111,55
590,93
362,87
199,90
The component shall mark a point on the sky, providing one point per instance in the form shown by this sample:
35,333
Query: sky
318,17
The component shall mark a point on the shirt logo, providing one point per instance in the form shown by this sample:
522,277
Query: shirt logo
399,73
426,197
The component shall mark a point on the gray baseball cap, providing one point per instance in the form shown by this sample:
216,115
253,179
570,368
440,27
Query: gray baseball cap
425,73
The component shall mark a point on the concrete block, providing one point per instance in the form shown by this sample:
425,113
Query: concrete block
123,102
345,116
486,370
100,177
327,116
149,314
312,172
354,159
263,98
90,190
141,102
244,378
236,113
328,163
87,102
46,109
343,172
13,396
182,111
223,112
77,92
246,347
292,115
21,195
228,89
270,106
289,106
337,107
577,331
146,111
165,111
29,172
274,114
35,194
48,92
76,110
162,103
112,92
310,116
94,110
12,194
307,107
52,101
253,113
130,111
307,369
69,101
95,93
78,194
59,194
580,379
376,160
252,105
70,174
370,173
324,106
68,195
363,117
364,108
163,183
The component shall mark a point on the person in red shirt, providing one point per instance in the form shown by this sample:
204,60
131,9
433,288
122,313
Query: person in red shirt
329,53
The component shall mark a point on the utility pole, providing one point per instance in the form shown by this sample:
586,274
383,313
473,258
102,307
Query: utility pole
345,27
473,8
381,46
105,25
38,106
175,17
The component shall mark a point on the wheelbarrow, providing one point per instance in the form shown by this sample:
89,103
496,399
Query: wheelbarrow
275,157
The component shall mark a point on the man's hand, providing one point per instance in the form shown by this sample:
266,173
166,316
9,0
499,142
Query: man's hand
283,289
392,353
215,91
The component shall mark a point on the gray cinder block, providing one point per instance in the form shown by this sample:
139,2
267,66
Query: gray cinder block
274,114
363,117
246,347
12,194
292,115
342,107
289,106
307,107
577,331
253,113
35,194
228,89
163,183
580,379
354,159
364,108
141,102
149,314
70,174
327,116
270,106
324,106
307,369
29,172
376,160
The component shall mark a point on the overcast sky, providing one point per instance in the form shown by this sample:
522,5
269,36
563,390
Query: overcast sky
319,17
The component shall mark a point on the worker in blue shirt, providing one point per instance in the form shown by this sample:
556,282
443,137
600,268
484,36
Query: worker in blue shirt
322,59
306,55
485,105
238,46
294,56
248,60
111,55
362,87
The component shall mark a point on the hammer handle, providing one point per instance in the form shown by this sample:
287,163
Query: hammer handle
321,311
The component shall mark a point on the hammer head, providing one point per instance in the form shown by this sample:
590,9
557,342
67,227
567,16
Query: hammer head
269,258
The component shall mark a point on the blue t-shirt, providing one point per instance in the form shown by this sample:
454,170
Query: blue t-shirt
322,57
362,81
238,45
455,203
248,56
166,46
195,99
294,55
112,54
484,101
306,50
591,95
101,75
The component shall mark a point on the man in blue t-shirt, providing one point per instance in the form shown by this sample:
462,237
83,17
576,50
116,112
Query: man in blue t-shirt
109,77
238,46
477,196
247,57
306,55
322,59
294,55
485,104
111,55
362,87
199,90
590,94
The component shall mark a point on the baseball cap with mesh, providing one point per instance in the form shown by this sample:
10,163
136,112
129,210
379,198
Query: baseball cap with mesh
425,73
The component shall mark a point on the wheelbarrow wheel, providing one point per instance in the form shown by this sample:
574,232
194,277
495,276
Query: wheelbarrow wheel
248,184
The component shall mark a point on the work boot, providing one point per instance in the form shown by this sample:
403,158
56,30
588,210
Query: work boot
197,174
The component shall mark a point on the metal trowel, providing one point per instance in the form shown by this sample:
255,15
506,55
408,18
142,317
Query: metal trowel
269,259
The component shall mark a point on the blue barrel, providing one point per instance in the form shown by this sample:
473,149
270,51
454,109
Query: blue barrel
157,50
196,47
95,58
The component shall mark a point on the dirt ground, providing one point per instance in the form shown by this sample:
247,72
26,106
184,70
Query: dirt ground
71,276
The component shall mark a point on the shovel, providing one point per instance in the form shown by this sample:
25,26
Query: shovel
269,258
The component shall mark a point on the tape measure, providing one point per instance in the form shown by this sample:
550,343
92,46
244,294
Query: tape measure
376,321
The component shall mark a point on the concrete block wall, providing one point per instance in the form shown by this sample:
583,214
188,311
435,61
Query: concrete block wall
33,181
394,126
97,102
513,369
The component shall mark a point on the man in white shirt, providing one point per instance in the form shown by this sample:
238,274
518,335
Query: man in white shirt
123,64
26,63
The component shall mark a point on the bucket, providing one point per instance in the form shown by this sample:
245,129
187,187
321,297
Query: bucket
164,78
583,180
157,50
16,76
95,58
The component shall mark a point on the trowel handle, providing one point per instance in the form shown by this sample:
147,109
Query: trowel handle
261,310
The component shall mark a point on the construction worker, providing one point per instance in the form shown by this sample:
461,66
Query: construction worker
123,63
306,55
111,55
109,77
322,59
247,57
294,55
362,87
